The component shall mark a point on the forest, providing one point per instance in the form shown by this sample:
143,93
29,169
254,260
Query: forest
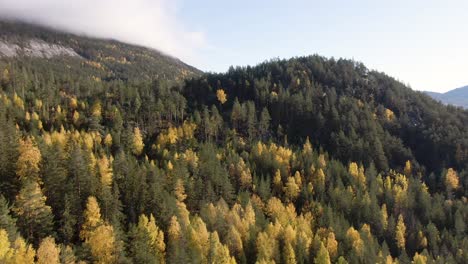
304,160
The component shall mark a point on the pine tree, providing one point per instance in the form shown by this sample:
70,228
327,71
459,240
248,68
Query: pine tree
147,245
7,222
35,218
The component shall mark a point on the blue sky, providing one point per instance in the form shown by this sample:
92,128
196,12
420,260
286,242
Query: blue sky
422,43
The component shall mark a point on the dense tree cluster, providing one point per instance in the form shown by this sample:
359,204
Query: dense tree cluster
308,160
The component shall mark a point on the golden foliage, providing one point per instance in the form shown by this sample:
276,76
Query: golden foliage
353,169
241,172
5,251
73,103
27,165
48,252
323,256
102,244
219,252
22,253
400,233
291,189
108,140
75,117
177,134
389,115
332,245
451,179
384,216
234,241
289,255
355,239
137,142
191,158
407,170
92,215
419,259
155,234
174,231
105,171
307,147
18,102
96,109
221,95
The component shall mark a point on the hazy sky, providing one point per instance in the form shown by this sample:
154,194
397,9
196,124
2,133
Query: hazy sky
422,43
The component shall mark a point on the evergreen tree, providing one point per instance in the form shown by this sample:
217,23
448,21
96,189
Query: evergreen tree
35,219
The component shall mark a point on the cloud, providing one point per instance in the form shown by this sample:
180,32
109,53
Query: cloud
151,23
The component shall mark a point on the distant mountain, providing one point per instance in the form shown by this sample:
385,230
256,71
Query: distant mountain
102,59
457,97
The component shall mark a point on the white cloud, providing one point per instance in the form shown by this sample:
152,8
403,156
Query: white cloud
152,23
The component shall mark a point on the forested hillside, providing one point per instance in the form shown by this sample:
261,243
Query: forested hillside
307,160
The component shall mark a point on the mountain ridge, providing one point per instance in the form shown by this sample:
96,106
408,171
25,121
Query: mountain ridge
110,58
457,96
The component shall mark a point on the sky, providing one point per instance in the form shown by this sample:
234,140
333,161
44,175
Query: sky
421,43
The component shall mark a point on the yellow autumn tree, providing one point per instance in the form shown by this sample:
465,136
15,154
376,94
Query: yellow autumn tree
156,236
384,216
307,147
408,168
48,252
322,256
419,259
137,142
5,250
22,253
96,109
102,244
219,253
451,181
291,189
400,232
92,216
221,95
234,241
75,117
332,245
289,255
353,169
98,236
108,140
105,171
27,165
355,240
73,103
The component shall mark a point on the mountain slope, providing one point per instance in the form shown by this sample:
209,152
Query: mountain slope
104,59
457,97
347,110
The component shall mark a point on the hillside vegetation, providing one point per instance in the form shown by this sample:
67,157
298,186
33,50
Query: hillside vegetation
306,160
